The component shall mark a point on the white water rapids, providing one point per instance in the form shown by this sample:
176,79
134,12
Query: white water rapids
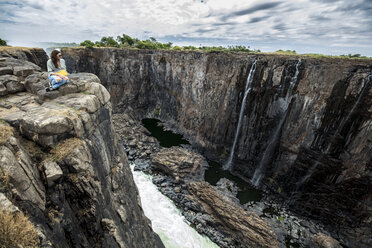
167,220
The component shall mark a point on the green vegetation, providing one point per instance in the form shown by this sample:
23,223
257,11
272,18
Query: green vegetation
290,52
2,42
125,41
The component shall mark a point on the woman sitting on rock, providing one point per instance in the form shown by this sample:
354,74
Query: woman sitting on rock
56,70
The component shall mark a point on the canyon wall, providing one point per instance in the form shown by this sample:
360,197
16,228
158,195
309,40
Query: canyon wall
305,130
61,163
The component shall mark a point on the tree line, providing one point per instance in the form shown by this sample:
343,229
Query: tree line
126,41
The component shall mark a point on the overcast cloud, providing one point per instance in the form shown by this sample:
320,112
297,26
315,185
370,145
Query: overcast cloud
320,26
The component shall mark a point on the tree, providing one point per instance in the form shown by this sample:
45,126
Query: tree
2,42
87,43
125,40
108,42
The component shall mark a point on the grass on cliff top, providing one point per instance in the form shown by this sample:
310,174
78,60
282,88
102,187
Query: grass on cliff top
64,148
13,48
17,231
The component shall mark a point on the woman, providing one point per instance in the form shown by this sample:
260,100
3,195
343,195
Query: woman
56,70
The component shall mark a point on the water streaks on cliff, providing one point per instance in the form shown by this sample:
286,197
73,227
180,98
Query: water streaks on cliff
248,88
272,144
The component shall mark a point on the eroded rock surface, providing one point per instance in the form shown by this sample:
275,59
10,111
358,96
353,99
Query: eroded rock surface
246,228
306,128
180,163
65,168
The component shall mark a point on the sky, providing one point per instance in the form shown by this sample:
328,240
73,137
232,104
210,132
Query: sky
307,26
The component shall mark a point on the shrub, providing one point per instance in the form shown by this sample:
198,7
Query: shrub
108,42
192,48
17,231
64,148
125,40
2,42
177,48
87,43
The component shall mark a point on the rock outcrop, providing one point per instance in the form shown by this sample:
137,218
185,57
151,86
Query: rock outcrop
212,210
180,164
245,228
305,130
60,162
35,55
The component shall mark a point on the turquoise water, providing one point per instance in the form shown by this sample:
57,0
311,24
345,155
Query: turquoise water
214,173
165,138
246,194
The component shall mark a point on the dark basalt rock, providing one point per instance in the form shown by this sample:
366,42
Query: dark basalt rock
325,121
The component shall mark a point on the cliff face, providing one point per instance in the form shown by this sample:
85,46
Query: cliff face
305,130
64,166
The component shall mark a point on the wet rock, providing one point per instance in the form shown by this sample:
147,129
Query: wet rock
227,186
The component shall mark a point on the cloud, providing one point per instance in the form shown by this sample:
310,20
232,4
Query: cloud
317,23
258,7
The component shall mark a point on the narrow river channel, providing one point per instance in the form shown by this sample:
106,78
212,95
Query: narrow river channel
167,220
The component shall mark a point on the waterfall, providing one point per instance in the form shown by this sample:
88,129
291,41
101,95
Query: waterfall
167,221
270,149
248,87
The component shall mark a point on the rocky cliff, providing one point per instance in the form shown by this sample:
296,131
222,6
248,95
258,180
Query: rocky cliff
60,161
305,131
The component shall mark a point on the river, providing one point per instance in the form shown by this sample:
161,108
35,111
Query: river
167,221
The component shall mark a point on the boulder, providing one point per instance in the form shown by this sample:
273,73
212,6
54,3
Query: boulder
322,240
52,172
37,81
12,84
5,204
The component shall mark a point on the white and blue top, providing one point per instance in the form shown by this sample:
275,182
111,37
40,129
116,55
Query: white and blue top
52,68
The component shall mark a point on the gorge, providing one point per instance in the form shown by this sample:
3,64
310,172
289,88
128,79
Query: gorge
200,95
298,127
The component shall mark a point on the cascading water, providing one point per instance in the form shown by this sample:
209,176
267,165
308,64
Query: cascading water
274,138
248,88
167,220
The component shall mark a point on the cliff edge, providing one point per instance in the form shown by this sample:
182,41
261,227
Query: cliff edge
60,161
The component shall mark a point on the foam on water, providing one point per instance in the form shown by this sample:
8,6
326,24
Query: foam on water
167,220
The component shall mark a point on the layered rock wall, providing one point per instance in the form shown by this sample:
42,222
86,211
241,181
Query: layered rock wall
306,128
60,162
